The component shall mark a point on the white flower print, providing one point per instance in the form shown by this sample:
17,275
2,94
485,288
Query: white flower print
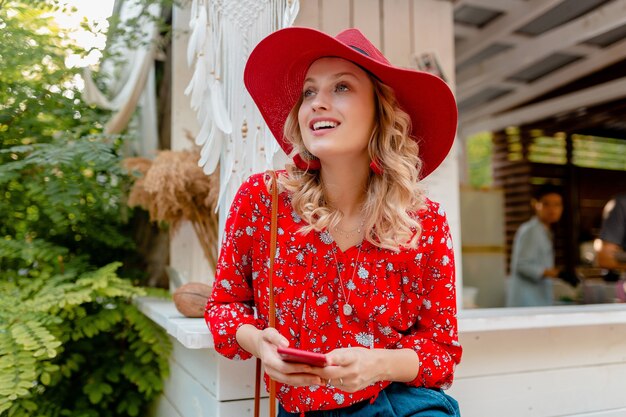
363,273
249,230
445,260
296,218
386,330
322,300
226,284
326,237
339,398
427,304
350,285
364,339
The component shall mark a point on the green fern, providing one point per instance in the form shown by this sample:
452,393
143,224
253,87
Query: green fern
78,331
71,341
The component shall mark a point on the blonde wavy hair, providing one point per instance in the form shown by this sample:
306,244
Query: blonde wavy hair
392,199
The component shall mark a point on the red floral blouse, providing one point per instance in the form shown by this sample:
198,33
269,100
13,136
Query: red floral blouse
400,299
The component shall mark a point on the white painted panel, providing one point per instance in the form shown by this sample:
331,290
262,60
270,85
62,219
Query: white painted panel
433,32
192,399
242,408
487,273
335,16
183,118
224,378
482,217
505,352
309,14
163,408
366,17
563,392
236,379
186,395
396,32
621,412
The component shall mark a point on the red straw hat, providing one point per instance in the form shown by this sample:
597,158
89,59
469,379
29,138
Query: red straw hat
276,68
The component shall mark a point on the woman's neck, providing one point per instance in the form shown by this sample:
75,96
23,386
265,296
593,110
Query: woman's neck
346,186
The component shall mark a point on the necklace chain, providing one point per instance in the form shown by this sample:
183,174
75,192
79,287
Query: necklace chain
347,308
348,233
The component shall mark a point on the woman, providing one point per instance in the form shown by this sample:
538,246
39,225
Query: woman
365,269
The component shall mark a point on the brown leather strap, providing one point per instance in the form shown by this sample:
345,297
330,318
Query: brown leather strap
272,307
257,388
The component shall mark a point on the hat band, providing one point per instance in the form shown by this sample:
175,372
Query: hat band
356,48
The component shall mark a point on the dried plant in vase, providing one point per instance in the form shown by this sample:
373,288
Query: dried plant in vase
173,188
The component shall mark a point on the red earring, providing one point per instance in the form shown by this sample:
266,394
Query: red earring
375,167
306,164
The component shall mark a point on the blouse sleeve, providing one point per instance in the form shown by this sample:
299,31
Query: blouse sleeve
434,337
231,303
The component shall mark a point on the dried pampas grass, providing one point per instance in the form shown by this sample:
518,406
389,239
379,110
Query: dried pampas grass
173,188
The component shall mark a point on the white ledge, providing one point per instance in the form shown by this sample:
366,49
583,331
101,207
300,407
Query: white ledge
194,333
191,333
498,319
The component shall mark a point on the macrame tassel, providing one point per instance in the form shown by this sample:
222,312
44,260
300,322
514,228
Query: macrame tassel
232,132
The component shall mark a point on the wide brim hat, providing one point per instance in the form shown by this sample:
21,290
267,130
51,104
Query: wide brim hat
275,72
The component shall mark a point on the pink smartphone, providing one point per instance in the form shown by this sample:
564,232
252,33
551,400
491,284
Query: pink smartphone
302,356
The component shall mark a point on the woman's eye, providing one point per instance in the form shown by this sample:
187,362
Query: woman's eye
307,93
341,87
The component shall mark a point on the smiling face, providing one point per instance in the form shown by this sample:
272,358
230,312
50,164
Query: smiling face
337,113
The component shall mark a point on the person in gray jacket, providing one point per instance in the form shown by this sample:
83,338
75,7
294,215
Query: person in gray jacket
532,261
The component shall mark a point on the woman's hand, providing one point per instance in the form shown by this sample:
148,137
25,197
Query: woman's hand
352,369
267,341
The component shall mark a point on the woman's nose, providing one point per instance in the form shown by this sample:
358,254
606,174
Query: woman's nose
320,102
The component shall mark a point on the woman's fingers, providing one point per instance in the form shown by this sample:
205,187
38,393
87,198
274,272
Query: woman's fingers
271,335
349,371
297,380
341,357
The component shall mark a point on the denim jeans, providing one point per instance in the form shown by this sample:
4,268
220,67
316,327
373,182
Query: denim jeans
397,400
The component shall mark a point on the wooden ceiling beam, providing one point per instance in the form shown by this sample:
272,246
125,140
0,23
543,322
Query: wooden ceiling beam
500,5
464,30
592,63
602,93
603,19
518,16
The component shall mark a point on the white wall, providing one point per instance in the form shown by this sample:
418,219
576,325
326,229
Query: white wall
538,362
563,371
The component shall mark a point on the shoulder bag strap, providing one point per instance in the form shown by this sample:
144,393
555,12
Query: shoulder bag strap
272,308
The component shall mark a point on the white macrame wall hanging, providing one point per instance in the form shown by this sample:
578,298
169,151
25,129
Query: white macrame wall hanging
232,131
